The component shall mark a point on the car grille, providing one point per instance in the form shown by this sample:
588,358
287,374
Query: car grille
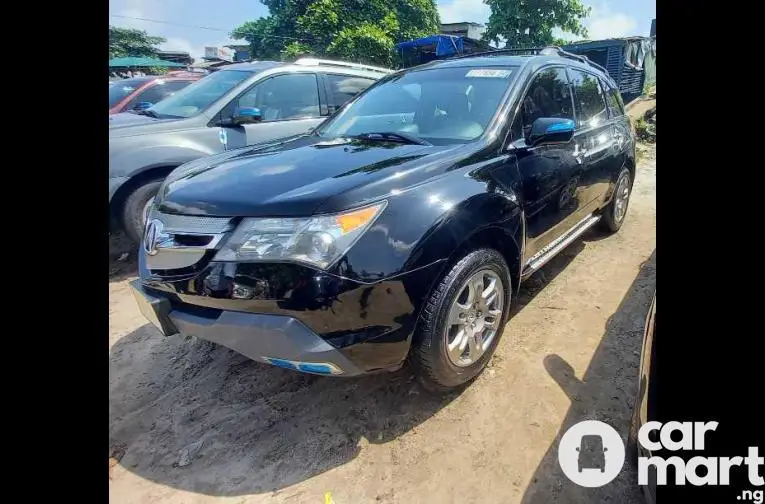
181,244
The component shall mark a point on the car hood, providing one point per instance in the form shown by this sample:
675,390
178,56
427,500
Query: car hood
129,124
300,176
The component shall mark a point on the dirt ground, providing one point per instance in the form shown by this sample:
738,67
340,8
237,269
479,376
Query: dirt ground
195,423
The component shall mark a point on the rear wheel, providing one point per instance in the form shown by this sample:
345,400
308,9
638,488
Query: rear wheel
614,213
136,208
462,321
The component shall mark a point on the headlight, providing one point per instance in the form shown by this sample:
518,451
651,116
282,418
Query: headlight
318,241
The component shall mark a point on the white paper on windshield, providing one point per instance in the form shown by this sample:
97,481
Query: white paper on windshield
489,73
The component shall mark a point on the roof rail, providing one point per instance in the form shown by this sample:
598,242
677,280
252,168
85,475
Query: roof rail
544,51
343,64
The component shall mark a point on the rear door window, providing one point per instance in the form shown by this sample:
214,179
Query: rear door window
588,96
343,88
614,98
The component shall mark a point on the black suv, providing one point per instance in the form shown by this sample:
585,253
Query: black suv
400,229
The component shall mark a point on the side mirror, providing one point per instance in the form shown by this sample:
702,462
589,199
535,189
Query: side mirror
577,448
143,105
247,115
605,449
550,130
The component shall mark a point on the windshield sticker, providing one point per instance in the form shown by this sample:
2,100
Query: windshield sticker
489,73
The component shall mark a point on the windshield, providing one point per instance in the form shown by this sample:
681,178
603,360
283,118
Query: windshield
196,97
119,90
442,105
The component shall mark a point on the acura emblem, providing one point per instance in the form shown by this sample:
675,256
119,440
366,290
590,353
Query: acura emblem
152,236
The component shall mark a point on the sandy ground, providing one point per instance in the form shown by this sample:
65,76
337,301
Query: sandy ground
195,423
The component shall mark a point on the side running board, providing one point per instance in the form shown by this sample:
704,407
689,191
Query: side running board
551,249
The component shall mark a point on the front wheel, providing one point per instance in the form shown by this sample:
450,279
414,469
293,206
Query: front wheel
615,211
136,208
462,321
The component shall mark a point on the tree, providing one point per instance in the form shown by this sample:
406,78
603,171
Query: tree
360,30
132,42
530,23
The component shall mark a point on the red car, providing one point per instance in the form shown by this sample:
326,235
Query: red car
126,94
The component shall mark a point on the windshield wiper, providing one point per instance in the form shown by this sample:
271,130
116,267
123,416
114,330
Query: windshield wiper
392,136
149,113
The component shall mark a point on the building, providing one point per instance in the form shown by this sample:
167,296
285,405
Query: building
630,61
183,58
653,27
465,29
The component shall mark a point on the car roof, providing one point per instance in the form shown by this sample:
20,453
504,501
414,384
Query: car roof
325,65
504,60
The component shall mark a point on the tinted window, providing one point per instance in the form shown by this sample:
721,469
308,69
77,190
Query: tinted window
590,104
615,102
160,90
548,96
345,87
441,105
288,96
120,90
195,98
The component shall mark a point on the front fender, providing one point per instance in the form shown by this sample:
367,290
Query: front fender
130,160
428,223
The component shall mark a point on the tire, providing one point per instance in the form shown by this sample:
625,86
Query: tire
132,209
610,221
430,357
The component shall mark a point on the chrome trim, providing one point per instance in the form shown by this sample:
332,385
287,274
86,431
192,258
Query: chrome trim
160,243
191,224
551,249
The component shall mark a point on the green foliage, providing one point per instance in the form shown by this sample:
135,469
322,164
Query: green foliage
530,23
295,50
131,42
358,30
157,70
366,43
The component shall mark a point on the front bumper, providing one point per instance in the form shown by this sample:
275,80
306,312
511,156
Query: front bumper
273,339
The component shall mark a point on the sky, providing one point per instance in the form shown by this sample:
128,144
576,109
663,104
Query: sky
190,25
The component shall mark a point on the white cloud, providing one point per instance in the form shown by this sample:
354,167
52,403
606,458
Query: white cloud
602,23
464,10
132,13
610,25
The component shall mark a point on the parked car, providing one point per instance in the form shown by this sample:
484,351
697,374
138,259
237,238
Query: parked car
401,228
142,92
645,404
242,104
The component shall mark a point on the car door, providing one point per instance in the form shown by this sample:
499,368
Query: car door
290,104
343,88
550,174
620,129
595,138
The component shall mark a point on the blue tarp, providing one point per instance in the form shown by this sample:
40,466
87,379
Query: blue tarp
446,45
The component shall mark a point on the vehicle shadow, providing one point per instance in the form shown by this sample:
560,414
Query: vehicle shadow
199,417
606,393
